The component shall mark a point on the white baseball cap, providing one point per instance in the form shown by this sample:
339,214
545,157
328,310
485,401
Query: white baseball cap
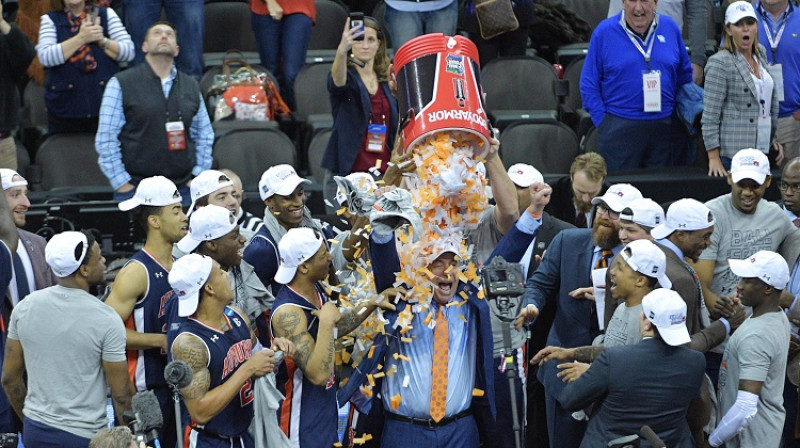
739,10
60,252
645,212
206,183
7,176
750,164
684,214
618,196
279,179
765,265
156,191
444,245
524,175
364,183
647,259
665,309
187,277
295,248
206,224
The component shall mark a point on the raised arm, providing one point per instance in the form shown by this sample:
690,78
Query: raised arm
339,67
202,402
314,358
129,286
351,319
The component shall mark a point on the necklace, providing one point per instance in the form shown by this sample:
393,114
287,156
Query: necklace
754,68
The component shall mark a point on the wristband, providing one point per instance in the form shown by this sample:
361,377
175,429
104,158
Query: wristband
536,216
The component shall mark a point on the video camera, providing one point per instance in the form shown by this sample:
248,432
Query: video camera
9,440
502,279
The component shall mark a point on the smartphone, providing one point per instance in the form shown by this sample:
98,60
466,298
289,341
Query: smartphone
357,21
94,11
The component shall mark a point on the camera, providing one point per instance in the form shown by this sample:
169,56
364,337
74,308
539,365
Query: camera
502,279
9,440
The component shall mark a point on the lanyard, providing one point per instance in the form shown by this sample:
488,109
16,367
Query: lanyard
635,39
773,43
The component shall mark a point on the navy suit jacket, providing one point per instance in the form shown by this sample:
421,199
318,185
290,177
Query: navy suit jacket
649,383
566,266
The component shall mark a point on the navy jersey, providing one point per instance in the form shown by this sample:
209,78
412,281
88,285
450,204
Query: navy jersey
227,352
147,366
309,413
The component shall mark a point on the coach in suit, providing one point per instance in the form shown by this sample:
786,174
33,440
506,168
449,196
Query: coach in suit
563,281
740,101
536,435
649,383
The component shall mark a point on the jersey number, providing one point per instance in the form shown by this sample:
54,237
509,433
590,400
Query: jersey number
246,393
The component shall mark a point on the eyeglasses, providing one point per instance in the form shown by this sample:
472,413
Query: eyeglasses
601,207
785,186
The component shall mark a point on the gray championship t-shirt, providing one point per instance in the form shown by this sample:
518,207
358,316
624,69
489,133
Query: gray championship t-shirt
757,351
623,328
738,235
66,334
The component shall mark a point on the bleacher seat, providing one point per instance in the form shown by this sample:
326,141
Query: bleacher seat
327,32
207,81
249,152
550,147
316,149
521,88
592,11
227,28
69,161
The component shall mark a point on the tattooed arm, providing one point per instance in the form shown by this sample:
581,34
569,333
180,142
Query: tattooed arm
13,370
204,404
352,319
315,358
585,354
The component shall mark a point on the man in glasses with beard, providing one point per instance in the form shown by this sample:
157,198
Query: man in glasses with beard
564,280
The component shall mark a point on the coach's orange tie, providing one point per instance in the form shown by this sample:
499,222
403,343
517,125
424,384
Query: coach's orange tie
605,257
441,345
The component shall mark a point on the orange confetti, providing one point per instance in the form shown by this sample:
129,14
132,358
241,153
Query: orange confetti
395,401
477,392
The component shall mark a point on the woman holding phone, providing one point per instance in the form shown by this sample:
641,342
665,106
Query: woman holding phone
80,44
363,106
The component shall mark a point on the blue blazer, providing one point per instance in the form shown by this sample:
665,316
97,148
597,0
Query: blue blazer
565,267
351,106
649,383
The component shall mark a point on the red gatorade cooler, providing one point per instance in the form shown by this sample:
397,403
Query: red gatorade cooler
438,89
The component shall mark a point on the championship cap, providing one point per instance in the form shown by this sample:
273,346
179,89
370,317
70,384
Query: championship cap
684,214
749,164
647,259
206,183
295,248
156,191
665,309
739,10
62,252
206,224
765,265
524,175
279,179
618,196
7,176
187,277
645,212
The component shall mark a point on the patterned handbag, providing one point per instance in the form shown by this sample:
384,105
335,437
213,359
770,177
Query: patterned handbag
495,17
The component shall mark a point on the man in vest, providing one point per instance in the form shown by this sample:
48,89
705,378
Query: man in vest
153,121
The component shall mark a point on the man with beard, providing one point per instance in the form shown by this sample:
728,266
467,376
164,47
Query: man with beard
141,290
572,196
744,225
563,280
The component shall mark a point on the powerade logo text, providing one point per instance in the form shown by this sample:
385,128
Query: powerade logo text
465,115
455,64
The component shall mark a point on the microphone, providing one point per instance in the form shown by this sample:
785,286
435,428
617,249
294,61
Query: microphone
178,374
652,438
148,417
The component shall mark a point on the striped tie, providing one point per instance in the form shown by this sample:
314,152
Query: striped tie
605,257
441,345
